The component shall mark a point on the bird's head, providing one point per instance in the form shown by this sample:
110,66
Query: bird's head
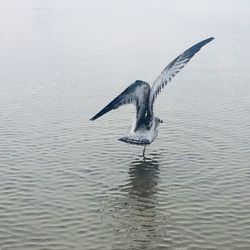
158,121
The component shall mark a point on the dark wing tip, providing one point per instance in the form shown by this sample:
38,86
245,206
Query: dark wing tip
93,118
204,42
188,54
209,39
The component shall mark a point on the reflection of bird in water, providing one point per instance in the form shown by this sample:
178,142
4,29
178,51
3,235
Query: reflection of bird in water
139,202
143,178
144,128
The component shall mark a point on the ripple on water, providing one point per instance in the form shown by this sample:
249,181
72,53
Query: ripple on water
67,183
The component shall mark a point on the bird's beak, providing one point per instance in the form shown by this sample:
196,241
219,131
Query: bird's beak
161,121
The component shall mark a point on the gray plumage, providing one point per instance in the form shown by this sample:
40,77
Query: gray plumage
144,129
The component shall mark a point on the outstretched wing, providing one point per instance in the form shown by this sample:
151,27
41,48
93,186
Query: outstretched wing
137,93
173,68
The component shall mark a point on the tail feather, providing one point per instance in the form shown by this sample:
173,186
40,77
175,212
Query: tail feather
134,141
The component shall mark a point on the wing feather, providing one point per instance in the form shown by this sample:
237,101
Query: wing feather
172,69
132,94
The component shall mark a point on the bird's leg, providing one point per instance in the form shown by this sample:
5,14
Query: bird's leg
143,154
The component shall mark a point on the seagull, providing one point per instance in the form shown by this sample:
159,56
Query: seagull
144,128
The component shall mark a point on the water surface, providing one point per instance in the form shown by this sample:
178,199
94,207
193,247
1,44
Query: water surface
67,183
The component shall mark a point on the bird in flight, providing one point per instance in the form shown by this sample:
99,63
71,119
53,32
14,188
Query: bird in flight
144,128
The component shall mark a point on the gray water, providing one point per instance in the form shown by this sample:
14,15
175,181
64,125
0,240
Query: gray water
67,183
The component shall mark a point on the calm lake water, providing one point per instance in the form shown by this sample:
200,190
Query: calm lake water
67,183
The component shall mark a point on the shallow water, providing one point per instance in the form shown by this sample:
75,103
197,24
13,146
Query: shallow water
67,183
